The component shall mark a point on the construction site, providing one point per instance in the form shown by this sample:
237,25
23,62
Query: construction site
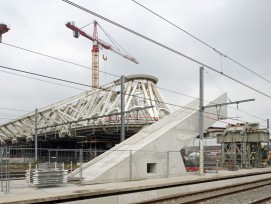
122,142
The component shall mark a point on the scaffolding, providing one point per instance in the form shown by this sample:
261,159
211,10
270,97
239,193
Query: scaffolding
244,145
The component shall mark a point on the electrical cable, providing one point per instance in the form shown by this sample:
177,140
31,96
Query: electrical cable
81,66
102,72
163,46
175,92
238,109
90,86
217,51
55,58
90,68
45,76
43,80
85,85
135,96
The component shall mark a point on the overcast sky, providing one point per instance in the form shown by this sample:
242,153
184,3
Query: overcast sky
239,29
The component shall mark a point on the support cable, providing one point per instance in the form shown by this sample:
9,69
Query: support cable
208,74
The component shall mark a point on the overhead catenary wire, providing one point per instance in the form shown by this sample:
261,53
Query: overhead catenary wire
28,50
206,44
45,55
165,47
112,74
90,68
42,54
170,104
85,85
182,94
86,90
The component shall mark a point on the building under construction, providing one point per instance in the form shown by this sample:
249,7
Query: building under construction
244,146
90,120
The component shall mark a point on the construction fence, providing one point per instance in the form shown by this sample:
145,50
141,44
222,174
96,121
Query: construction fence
14,162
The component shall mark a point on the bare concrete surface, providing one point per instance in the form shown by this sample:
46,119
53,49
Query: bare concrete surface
21,192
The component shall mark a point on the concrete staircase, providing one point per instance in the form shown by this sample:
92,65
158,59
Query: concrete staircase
152,152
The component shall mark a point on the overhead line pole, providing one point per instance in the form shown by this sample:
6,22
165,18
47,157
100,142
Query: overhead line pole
233,102
201,120
122,105
36,135
268,138
201,116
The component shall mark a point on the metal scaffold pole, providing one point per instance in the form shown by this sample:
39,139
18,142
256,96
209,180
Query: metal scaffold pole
201,121
122,131
268,137
36,135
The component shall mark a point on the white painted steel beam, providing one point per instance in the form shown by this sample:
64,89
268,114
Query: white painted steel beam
103,101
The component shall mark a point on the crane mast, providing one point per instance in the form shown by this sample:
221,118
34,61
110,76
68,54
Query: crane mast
95,58
96,43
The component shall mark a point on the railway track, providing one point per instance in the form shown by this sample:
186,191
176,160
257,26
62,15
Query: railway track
215,195
250,188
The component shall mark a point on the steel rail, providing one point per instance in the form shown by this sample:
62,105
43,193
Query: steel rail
262,201
215,193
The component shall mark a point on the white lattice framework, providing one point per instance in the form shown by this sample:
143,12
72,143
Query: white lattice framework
140,92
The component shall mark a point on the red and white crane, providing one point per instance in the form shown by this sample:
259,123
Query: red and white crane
95,50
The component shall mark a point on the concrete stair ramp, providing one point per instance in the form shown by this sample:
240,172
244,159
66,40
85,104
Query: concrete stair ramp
154,151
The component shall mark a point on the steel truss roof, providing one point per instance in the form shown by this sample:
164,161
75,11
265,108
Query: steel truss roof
140,92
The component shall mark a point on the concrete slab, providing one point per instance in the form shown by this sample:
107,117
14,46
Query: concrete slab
124,192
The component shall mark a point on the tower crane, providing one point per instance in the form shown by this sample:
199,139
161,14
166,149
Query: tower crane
97,43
